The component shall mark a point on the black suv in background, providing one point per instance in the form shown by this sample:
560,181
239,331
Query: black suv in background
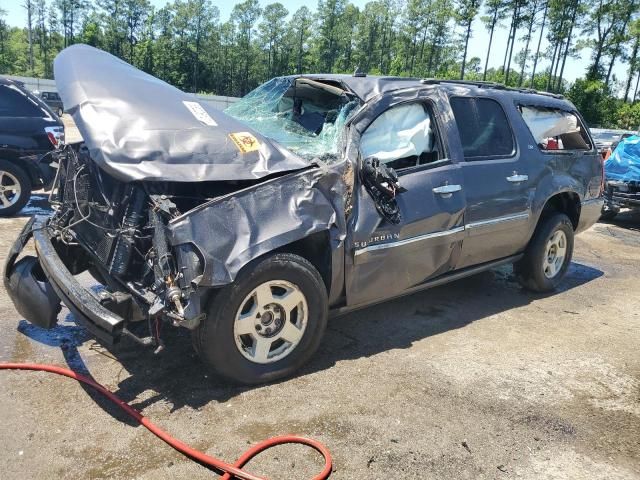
29,132
53,100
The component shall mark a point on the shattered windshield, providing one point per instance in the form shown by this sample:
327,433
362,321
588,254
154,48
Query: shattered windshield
304,115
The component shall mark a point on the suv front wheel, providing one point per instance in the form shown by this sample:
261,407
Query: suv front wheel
548,254
15,188
267,323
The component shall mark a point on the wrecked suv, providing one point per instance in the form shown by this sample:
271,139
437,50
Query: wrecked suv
313,195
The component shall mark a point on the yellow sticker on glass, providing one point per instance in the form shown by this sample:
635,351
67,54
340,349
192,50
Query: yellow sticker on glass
245,141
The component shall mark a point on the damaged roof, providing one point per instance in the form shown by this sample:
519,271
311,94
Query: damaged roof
368,87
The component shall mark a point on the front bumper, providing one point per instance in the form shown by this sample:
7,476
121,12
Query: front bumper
620,194
34,295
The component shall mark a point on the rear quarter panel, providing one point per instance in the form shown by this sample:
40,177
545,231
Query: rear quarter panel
554,172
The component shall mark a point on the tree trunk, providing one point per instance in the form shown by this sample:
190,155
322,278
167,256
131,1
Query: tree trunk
414,52
494,20
526,48
616,52
632,67
300,47
30,34
516,14
566,50
554,77
196,61
466,45
516,20
423,42
506,52
535,59
553,62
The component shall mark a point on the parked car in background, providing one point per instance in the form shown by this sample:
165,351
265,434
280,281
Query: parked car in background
54,101
607,140
29,133
622,178
313,195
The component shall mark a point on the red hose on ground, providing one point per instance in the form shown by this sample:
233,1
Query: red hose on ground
231,471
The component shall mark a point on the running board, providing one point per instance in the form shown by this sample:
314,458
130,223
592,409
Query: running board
436,282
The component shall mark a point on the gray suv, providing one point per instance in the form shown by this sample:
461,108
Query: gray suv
312,196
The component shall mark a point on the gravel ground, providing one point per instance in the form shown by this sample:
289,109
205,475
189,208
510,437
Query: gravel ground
476,379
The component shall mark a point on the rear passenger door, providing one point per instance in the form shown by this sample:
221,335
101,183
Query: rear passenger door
497,181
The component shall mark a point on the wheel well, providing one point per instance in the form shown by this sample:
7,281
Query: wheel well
315,249
567,203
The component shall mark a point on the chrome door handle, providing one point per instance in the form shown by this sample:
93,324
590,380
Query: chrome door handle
515,178
447,190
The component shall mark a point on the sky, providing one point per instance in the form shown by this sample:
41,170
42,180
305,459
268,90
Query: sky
16,16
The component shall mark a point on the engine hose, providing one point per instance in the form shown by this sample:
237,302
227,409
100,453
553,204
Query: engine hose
231,471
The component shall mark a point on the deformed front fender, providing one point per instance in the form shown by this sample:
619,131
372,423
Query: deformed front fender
231,231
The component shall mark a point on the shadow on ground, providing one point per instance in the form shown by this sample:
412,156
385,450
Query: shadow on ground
627,219
38,205
178,377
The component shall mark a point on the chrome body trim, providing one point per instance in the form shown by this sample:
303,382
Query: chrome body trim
498,220
407,241
443,233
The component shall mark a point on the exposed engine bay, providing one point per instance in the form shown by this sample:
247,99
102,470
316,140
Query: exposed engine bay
117,231
159,248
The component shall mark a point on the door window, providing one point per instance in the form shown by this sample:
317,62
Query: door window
14,103
403,136
483,127
555,129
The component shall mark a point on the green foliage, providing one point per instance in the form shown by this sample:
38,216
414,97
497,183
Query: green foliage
186,44
594,100
628,116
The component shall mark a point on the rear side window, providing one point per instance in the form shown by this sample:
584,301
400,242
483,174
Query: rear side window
50,96
14,103
555,129
483,127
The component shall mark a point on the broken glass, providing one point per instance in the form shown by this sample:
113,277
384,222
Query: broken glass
303,115
555,129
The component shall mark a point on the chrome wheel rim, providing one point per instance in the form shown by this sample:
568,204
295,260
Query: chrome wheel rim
9,189
556,254
270,321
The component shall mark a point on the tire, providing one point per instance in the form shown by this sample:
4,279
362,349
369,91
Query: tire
60,112
12,176
535,271
256,349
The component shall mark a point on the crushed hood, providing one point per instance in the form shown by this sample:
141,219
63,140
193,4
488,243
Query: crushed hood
138,127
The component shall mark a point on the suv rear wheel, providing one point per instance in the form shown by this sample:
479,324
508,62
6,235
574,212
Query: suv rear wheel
15,188
267,323
548,255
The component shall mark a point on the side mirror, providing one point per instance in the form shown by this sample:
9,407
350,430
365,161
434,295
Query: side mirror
381,182
381,176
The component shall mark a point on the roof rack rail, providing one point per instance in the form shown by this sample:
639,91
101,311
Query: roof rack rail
476,83
483,84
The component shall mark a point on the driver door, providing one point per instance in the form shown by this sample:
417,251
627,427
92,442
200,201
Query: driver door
389,258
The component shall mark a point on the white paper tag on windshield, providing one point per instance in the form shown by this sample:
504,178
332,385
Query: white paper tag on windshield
200,113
